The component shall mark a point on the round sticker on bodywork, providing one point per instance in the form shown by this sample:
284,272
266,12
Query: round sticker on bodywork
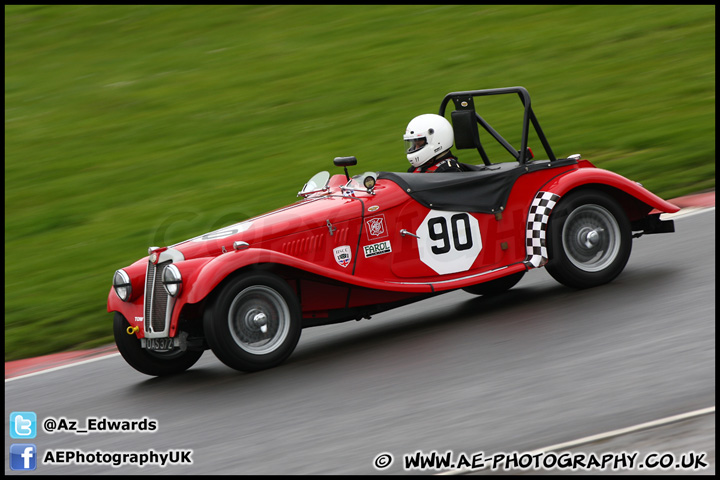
449,242
223,232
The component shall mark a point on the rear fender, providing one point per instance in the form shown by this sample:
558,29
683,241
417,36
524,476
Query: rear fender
635,199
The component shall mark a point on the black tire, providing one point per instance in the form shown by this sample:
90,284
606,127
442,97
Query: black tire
497,286
254,322
589,240
158,364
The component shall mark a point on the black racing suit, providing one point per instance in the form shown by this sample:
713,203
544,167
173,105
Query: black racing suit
444,163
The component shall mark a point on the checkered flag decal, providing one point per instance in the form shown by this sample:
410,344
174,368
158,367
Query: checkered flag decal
538,216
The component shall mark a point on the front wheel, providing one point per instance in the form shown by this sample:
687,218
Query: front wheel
157,364
254,322
589,240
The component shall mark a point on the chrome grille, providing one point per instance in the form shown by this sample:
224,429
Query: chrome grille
156,299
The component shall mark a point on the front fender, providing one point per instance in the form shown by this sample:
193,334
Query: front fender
581,177
216,270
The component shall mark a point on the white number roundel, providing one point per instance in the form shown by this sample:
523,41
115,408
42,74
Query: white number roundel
449,241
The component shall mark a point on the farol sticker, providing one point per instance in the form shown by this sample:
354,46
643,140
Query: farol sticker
377,249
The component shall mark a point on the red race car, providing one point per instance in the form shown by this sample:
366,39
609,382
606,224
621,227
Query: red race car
355,246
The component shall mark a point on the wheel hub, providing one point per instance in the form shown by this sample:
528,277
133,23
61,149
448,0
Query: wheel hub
256,319
589,237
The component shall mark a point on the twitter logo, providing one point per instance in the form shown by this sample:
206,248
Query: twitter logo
23,425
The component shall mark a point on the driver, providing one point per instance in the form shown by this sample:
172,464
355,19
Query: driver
428,139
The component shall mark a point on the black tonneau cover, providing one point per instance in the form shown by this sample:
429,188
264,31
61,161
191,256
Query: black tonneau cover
483,190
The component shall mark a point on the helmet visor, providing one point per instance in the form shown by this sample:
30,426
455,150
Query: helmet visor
415,144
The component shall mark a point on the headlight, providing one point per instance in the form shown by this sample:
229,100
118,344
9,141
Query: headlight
172,281
122,285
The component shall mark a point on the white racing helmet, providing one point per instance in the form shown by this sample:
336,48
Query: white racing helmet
426,137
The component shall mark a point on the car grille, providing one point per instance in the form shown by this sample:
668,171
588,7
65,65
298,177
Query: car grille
156,299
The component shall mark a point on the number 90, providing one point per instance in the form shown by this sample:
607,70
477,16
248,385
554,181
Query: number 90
459,227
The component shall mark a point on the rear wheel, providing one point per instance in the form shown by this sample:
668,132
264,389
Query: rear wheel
254,322
150,363
497,286
589,240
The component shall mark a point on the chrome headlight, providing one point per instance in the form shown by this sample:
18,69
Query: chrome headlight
122,285
172,280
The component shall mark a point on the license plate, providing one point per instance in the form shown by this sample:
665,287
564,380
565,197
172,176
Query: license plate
158,344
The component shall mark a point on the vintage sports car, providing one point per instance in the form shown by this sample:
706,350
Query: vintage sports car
355,246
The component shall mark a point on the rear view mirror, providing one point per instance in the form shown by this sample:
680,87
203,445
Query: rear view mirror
345,161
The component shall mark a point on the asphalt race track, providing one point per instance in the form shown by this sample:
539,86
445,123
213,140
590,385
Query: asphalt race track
540,365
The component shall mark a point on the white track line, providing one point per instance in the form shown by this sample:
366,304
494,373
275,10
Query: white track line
604,436
55,369
686,212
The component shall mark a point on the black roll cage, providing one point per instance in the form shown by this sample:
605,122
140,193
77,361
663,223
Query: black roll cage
466,132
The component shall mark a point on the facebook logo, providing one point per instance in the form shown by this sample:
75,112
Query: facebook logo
23,425
23,456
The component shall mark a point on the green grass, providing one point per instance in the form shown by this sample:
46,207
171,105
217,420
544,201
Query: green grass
131,126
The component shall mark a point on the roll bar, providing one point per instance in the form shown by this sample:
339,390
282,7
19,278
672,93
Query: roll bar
469,138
